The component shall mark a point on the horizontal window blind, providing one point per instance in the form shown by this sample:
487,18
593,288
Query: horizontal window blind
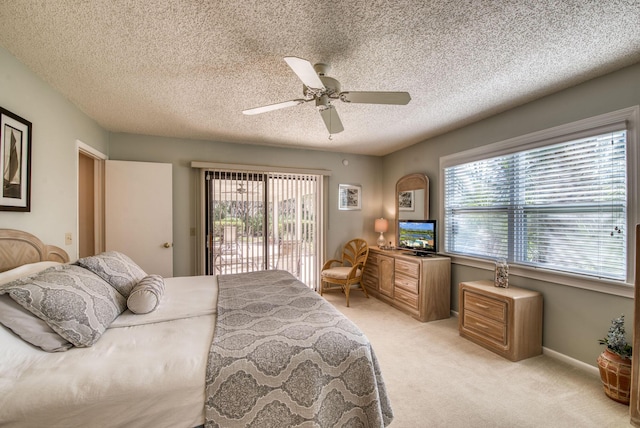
561,207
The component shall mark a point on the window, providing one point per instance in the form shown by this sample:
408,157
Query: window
560,203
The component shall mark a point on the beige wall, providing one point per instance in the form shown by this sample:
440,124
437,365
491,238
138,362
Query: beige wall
574,319
57,124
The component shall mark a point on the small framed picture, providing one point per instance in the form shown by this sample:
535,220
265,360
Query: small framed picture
406,201
15,162
349,197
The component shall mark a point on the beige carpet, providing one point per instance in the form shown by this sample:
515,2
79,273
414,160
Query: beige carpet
435,378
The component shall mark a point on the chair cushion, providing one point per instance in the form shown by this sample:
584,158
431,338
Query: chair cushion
341,272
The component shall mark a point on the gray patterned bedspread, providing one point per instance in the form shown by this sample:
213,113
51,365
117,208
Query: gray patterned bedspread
282,356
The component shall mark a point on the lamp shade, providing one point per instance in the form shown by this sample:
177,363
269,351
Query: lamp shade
381,225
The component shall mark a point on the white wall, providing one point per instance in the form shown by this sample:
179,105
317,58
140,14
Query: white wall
56,125
574,319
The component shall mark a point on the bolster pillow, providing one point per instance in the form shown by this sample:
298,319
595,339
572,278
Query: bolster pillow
146,295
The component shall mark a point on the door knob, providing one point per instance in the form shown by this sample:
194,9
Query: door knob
167,245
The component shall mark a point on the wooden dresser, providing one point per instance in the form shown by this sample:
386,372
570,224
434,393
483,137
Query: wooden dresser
507,321
419,286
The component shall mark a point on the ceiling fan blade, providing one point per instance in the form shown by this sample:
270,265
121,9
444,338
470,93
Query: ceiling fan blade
305,72
272,107
332,120
398,98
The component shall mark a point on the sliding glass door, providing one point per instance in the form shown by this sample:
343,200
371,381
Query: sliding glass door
262,220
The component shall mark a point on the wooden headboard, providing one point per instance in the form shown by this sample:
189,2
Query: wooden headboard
18,248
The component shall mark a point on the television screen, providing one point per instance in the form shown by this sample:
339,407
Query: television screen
418,236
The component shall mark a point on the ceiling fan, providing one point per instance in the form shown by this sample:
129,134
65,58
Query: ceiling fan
229,188
318,87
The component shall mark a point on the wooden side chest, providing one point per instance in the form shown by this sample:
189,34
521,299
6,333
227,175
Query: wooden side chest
507,321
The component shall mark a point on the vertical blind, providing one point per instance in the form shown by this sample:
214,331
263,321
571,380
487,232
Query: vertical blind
262,220
234,221
293,222
561,207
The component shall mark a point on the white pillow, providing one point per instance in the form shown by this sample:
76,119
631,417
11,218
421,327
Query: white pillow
29,327
24,270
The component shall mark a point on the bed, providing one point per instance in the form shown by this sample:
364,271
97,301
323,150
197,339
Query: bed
257,349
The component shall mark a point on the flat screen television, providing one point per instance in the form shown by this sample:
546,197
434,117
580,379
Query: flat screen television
419,236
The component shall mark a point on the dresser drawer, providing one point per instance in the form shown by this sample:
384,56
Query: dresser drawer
371,271
409,299
408,268
486,328
407,283
372,261
485,306
370,283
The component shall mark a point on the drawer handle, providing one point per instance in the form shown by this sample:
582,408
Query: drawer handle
482,306
482,325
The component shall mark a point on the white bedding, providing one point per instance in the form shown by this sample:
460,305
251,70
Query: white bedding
145,371
184,297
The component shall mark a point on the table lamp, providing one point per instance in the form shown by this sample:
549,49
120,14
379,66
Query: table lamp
381,225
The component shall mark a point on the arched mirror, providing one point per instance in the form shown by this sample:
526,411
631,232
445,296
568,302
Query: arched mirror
412,198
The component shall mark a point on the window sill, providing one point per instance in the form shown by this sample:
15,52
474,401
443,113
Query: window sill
615,288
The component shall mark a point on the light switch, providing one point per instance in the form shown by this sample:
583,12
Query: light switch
68,239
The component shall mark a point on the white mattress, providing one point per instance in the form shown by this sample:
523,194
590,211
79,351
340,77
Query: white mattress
145,371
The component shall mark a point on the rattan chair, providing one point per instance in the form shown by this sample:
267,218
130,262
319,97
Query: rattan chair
345,273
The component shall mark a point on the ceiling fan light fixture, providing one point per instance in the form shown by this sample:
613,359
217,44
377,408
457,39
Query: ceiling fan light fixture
322,102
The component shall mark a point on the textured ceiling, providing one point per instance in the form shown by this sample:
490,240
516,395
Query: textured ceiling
187,69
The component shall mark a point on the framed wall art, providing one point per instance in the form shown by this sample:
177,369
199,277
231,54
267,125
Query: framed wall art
349,197
406,201
15,162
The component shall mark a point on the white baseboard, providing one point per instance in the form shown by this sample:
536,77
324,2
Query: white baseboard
571,361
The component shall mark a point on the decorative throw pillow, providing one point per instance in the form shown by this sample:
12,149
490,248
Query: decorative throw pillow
23,323
74,302
115,268
29,327
145,297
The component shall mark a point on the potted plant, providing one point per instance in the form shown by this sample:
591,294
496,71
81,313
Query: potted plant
615,362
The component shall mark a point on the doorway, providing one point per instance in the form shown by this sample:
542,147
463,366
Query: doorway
90,231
